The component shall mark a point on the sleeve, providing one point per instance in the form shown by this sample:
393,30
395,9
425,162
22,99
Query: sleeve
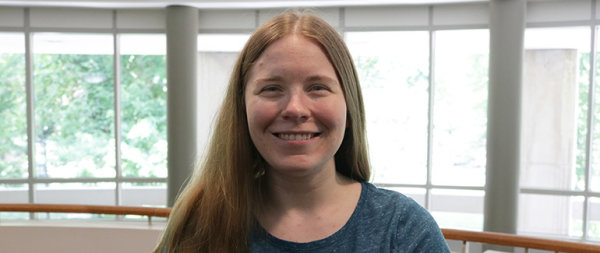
418,231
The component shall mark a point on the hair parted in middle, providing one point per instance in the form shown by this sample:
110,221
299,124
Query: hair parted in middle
214,213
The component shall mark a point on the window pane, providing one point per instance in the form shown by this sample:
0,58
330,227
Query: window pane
554,116
393,69
143,105
221,42
14,193
13,107
466,215
594,220
584,67
76,193
144,194
460,107
550,215
14,216
73,216
74,115
217,54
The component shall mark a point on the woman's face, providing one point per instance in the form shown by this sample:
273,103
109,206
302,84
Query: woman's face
295,106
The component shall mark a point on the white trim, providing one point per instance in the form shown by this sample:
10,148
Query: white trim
235,4
430,111
12,17
117,106
84,180
70,18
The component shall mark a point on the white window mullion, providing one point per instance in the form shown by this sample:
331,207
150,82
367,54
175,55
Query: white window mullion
430,110
30,109
117,108
590,121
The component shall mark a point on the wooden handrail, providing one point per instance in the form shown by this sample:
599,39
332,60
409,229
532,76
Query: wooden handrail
450,234
117,210
519,241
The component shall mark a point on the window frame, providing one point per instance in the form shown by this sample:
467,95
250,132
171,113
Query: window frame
28,30
593,23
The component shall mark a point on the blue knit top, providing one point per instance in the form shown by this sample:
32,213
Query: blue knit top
383,221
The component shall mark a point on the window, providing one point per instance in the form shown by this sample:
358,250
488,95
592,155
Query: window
143,118
13,126
394,74
394,70
143,105
554,130
13,111
74,109
217,54
460,107
82,91
424,80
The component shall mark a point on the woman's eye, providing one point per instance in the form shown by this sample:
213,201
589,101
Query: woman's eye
318,87
270,89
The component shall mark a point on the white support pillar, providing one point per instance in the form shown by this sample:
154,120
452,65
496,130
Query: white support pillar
182,36
507,24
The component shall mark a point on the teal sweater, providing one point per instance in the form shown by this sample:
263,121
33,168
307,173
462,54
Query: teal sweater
383,221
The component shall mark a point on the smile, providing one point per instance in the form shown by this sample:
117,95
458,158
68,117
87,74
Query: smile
296,137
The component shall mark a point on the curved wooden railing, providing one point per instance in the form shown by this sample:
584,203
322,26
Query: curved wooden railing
503,239
116,210
520,241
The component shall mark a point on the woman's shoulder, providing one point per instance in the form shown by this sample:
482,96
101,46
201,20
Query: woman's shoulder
386,199
394,205
414,228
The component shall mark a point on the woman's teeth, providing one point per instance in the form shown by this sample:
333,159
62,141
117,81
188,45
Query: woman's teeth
293,137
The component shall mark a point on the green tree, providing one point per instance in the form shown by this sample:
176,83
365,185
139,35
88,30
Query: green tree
582,117
74,114
13,119
144,121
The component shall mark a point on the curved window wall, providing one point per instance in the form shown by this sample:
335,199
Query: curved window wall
423,71
94,100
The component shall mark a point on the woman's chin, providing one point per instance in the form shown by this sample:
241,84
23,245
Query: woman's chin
298,169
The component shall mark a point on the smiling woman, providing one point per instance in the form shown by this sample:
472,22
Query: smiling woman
296,109
287,166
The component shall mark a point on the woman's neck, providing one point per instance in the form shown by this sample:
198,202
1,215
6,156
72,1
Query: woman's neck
308,208
306,191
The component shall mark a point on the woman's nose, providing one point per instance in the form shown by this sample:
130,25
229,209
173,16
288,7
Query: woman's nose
296,108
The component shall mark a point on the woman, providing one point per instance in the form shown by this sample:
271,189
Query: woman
287,167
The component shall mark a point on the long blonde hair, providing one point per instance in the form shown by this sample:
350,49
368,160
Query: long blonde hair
214,213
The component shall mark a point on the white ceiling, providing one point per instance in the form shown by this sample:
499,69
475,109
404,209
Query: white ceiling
223,4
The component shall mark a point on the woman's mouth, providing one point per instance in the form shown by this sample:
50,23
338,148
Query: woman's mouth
296,136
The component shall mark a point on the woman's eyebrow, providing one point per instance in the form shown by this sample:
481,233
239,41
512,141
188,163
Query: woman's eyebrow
321,78
269,79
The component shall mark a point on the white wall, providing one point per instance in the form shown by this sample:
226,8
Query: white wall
39,236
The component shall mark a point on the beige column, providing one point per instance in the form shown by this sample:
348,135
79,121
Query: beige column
507,23
182,36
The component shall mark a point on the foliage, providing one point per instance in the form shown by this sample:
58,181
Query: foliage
74,115
144,116
13,123
582,118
